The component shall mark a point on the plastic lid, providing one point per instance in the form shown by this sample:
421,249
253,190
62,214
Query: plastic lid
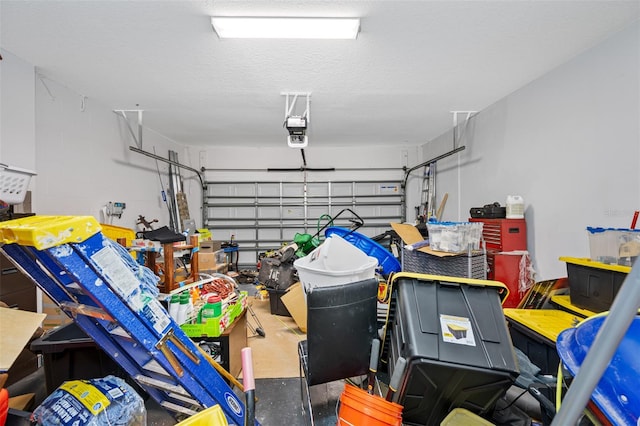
616,393
597,230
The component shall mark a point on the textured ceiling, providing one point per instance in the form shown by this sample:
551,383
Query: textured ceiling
413,62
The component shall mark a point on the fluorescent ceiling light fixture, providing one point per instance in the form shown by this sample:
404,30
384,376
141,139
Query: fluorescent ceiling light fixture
280,27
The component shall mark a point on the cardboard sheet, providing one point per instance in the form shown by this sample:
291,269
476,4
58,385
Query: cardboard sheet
411,235
276,354
296,304
16,329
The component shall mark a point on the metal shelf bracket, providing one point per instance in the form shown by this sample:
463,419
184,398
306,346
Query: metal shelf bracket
123,113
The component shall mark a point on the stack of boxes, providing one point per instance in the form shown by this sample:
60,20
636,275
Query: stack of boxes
212,257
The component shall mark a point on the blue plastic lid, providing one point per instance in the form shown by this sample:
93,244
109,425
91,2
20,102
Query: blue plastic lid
386,260
448,223
597,230
616,394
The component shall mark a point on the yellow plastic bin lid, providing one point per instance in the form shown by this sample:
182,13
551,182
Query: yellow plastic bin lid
464,417
564,302
546,322
593,264
212,416
503,290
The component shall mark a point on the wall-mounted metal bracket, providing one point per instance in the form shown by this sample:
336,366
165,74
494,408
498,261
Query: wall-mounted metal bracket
456,137
123,113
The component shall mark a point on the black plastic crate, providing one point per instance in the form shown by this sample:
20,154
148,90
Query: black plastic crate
540,350
69,354
275,302
471,368
594,285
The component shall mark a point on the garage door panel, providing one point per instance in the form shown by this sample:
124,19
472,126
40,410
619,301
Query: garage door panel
264,215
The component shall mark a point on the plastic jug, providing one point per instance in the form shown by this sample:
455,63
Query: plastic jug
515,207
174,305
211,309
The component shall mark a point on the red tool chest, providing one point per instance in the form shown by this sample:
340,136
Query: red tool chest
503,234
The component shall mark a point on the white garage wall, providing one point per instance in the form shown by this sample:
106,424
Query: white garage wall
569,143
83,160
17,107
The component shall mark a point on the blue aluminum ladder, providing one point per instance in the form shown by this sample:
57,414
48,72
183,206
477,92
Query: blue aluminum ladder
113,300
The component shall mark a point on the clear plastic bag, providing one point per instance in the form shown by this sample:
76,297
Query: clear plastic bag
95,402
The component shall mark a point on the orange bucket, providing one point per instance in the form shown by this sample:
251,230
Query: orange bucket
379,403
359,408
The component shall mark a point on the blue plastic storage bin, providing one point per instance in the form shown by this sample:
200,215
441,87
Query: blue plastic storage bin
386,260
616,394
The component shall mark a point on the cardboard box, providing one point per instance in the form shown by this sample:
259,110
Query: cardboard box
210,246
296,304
211,261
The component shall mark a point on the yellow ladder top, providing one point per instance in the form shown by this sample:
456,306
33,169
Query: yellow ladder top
43,232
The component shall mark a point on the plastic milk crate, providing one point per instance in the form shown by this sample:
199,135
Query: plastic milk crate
473,265
14,182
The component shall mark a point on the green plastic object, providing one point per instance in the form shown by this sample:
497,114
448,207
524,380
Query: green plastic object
306,243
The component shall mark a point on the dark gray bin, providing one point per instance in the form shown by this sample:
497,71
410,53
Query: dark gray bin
447,367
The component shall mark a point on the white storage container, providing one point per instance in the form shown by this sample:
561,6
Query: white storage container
334,262
454,237
615,246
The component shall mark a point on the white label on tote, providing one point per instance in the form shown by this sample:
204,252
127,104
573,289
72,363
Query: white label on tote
457,330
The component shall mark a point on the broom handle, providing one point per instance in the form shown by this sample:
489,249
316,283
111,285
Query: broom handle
373,365
221,370
398,371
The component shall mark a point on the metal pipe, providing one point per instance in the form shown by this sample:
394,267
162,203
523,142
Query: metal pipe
622,312
408,172
203,184
433,160
174,163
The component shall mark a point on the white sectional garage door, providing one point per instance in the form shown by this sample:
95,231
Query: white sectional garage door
264,215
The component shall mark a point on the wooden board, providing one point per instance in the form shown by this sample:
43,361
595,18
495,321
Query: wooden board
276,354
16,329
